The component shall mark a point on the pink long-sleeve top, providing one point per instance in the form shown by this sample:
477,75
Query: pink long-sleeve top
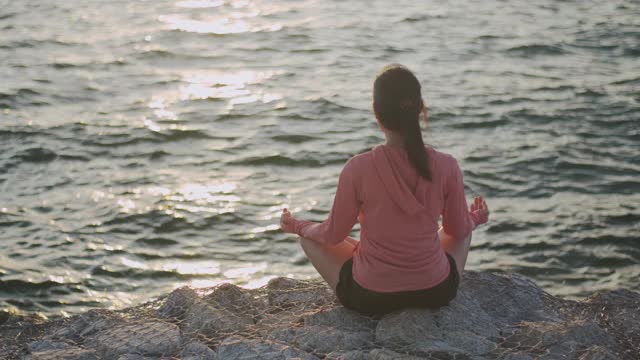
398,211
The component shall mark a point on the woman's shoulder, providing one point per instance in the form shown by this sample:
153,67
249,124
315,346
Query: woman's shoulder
360,159
440,157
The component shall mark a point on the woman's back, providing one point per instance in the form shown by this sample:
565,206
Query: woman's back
399,247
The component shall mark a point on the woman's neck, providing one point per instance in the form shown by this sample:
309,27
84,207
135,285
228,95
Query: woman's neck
393,139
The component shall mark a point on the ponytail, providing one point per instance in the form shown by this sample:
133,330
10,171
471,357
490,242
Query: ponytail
398,104
414,146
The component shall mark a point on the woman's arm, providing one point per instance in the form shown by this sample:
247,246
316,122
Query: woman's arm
457,220
342,217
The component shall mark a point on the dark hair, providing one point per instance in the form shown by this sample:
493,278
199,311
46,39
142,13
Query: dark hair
397,101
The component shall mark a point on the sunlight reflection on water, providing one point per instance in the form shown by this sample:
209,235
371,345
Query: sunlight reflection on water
198,4
193,267
218,26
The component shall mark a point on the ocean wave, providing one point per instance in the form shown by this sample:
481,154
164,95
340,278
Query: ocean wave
160,222
559,88
87,65
132,223
532,116
294,138
629,242
586,168
8,15
321,106
580,257
544,162
17,286
303,159
529,75
20,98
181,134
516,248
33,43
622,187
591,93
483,124
421,18
63,65
536,50
35,155
155,155
310,50
490,37
507,226
157,241
164,54
231,116
9,223
142,136
629,81
137,274
40,155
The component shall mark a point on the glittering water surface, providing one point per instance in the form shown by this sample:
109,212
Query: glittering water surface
146,145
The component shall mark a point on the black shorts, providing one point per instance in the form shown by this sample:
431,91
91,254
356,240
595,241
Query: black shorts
353,296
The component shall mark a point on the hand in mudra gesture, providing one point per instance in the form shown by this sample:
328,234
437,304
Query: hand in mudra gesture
287,221
479,211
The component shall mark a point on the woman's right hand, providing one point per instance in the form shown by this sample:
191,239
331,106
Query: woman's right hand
479,211
287,221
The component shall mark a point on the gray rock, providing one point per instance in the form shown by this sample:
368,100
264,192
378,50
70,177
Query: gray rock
472,323
154,338
342,318
386,354
235,299
581,331
517,356
248,349
375,354
494,316
135,357
470,343
509,298
348,355
285,293
558,340
178,302
323,339
226,311
465,313
424,331
79,327
618,311
72,353
407,327
198,351
214,322
598,352
44,345
562,350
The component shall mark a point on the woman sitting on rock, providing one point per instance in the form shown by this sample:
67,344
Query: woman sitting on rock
397,191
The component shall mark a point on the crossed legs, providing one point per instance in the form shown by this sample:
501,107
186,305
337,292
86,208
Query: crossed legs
328,260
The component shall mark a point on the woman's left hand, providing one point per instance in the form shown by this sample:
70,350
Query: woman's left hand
479,211
287,221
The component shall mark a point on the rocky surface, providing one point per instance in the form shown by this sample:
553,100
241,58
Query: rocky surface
494,316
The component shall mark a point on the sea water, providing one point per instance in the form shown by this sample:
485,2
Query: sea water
146,145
